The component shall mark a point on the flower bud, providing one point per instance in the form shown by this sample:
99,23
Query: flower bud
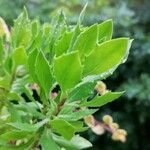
114,126
108,119
119,135
98,129
89,120
101,87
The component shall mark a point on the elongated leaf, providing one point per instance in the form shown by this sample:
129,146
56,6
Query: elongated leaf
31,64
106,56
43,73
63,44
1,50
47,141
24,126
86,41
63,128
105,30
102,100
21,32
81,16
67,70
74,116
28,127
14,135
109,72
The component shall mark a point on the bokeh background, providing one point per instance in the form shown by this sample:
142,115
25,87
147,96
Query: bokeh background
131,18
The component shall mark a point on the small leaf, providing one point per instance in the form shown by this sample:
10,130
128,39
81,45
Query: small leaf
65,143
86,41
102,100
43,73
67,70
59,126
81,142
47,141
105,31
106,56
81,91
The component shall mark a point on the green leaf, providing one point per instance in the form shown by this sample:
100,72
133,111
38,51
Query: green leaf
5,82
76,143
47,141
86,41
31,64
77,115
1,50
19,56
22,146
81,91
106,56
19,84
81,16
78,126
102,100
24,126
76,32
105,31
35,28
63,128
21,32
67,70
63,44
65,143
68,107
14,135
81,142
28,127
43,73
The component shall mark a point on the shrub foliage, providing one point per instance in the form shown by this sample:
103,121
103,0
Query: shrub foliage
47,78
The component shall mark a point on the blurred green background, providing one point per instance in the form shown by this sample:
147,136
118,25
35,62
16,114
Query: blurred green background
131,18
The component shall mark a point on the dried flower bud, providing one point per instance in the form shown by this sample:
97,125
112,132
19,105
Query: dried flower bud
89,120
119,135
98,129
108,119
